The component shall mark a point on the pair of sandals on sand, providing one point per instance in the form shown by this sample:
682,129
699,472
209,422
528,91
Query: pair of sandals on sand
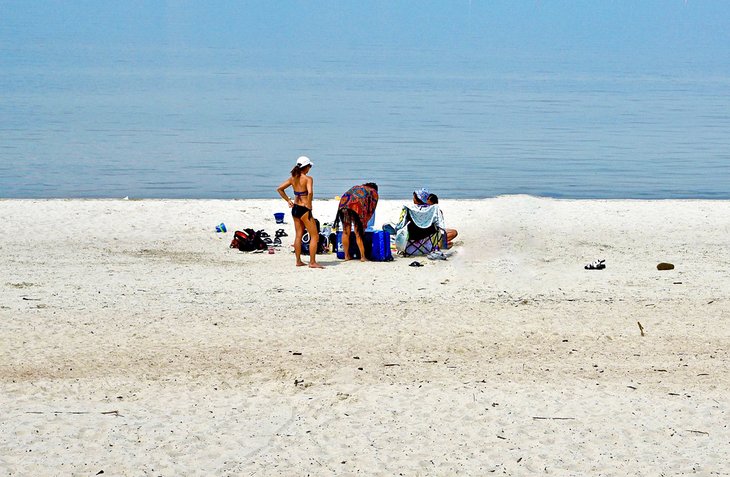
277,237
596,265
272,244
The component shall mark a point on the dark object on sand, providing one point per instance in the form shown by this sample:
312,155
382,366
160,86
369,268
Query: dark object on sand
415,264
248,240
665,266
596,265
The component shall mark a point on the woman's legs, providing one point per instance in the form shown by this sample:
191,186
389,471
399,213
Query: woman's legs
299,228
359,235
360,245
346,244
346,241
348,220
311,225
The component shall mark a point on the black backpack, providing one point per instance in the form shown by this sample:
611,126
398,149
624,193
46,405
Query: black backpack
248,240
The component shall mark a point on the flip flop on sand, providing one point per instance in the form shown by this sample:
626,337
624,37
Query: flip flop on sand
415,264
596,265
281,233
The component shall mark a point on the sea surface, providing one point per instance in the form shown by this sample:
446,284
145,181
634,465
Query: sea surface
101,121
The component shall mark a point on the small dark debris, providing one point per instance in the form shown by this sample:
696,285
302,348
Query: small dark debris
699,432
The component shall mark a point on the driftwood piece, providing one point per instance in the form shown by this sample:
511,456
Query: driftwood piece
553,418
108,413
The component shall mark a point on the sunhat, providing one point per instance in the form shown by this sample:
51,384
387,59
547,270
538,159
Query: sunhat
422,194
303,162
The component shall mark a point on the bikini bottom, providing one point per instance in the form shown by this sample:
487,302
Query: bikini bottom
299,211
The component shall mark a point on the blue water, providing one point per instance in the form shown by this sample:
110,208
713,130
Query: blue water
109,121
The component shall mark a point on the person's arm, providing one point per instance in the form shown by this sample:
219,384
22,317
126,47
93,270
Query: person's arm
310,191
440,223
281,192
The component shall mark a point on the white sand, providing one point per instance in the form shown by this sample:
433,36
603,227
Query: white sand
133,341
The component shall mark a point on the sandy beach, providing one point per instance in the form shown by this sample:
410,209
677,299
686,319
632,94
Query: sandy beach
135,342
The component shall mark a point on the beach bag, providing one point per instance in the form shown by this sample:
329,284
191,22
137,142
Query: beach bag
248,240
322,243
238,236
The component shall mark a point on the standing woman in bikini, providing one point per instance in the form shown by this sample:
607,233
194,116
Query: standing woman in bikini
301,209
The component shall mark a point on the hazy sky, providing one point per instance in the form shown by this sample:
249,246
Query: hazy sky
635,31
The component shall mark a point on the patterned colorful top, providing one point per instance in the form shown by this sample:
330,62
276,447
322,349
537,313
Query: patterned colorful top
362,200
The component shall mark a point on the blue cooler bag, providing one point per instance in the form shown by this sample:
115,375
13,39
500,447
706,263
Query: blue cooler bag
377,246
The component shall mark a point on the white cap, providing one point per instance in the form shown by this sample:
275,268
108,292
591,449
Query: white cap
303,162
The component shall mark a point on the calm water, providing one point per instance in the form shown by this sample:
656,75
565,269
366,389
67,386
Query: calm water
229,123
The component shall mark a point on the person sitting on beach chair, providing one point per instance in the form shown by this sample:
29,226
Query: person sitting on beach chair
420,229
451,234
